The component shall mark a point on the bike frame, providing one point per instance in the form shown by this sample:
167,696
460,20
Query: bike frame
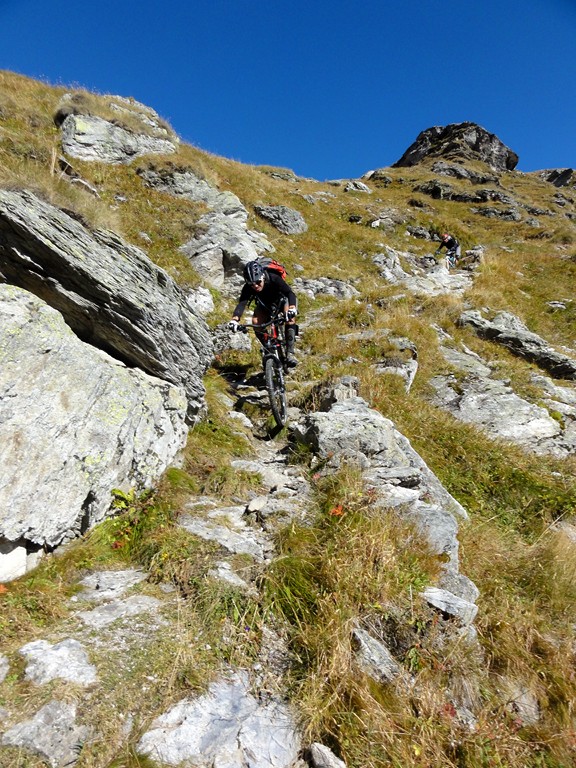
274,345
274,363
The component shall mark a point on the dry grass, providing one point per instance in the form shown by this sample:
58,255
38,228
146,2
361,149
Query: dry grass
352,564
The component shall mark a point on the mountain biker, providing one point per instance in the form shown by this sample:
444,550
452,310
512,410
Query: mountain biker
269,291
452,246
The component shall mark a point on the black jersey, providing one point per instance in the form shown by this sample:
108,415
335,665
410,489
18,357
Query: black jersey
275,291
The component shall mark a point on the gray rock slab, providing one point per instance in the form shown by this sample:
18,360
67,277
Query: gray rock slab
492,405
52,733
273,474
466,361
451,604
322,757
119,609
185,183
325,286
351,429
74,424
227,726
374,658
286,220
224,572
66,660
107,585
227,527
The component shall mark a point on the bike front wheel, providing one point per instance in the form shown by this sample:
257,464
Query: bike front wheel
274,376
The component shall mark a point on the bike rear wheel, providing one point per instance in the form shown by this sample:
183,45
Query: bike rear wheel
274,376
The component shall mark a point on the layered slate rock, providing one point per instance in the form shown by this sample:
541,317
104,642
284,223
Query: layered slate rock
459,141
75,424
110,293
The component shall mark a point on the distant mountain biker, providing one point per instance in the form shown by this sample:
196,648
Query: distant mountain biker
269,291
452,246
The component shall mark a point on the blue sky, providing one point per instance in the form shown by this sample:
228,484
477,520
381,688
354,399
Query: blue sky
328,89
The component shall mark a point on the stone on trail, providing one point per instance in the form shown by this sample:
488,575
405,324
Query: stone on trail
66,660
52,733
228,726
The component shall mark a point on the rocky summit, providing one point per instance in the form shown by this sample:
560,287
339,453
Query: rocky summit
460,142
388,579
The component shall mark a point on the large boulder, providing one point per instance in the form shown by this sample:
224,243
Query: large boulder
75,424
461,142
109,292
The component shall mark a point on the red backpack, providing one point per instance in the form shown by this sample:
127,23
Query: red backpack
273,266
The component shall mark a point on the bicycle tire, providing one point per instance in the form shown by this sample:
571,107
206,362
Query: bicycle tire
274,377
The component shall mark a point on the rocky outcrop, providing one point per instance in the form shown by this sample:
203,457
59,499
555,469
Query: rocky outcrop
75,425
476,396
460,172
350,431
222,243
459,142
403,268
326,286
109,292
94,139
509,331
560,177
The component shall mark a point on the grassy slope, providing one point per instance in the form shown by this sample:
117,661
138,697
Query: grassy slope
524,571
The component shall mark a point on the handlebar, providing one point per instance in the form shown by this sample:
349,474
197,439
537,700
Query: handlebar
280,319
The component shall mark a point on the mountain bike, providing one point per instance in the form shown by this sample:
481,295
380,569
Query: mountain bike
451,258
272,340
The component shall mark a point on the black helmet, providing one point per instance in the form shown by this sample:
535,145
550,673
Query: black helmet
253,272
